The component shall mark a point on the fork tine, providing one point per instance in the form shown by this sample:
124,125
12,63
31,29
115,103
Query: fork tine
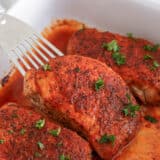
28,49
32,53
38,51
43,47
51,46
15,61
20,56
24,51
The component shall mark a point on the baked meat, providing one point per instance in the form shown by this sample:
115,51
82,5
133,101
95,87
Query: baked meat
136,60
88,97
26,135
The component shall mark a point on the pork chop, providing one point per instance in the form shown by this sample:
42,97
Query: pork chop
26,135
136,60
88,97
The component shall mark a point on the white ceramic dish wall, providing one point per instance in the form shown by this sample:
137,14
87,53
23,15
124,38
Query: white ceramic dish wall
141,17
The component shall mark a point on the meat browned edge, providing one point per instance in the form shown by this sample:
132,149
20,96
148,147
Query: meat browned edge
67,93
138,72
20,139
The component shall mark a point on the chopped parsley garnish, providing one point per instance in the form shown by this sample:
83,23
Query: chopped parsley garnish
151,48
63,157
59,144
37,154
119,58
40,145
99,84
40,123
10,131
156,64
55,132
150,119
2,141
111,46
130,109
147,57
130,35
46,67
22,131
77,69
14,115
107,139
128,96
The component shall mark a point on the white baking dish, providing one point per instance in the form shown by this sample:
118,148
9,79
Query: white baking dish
141,17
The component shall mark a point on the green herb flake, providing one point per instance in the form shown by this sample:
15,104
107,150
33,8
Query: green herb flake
99,84
55,132
10,131
40,123
107,139
151,48
119,58
128,97
37,155
63,157
14,115
147,57
147,47
150,119
111,46
2,141
22,131
130,35
77,69
40,145
156,64
46,67
59,144
130,109
126,111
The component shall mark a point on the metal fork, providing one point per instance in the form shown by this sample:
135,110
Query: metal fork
25,47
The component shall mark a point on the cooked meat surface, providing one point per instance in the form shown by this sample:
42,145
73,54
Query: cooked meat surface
26,135
87,96
146,145
136,60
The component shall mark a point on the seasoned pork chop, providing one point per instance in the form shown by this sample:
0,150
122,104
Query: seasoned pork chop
87,96
26,135
136,60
